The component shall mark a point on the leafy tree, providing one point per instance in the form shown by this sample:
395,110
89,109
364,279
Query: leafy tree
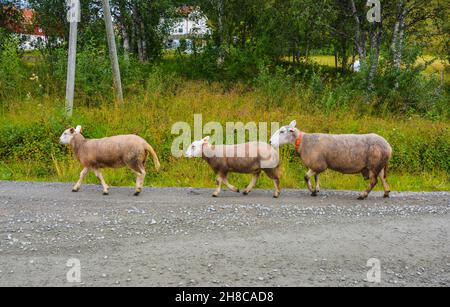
10,19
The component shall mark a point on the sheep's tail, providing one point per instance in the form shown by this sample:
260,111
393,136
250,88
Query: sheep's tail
390,151
152,152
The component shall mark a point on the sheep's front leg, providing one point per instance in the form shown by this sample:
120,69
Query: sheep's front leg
102,180
83,174
317,189
230,186
308,176
252,184
219,182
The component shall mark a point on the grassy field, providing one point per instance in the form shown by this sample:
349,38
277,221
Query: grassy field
33,128
437,67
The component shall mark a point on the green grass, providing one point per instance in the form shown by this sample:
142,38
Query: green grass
436,67
420,146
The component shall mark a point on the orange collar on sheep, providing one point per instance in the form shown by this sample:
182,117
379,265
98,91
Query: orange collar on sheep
298,142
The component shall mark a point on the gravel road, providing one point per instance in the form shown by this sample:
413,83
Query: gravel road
184,237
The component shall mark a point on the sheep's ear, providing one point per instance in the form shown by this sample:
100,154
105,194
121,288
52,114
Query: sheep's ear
79,129
292,125
72,130
206,140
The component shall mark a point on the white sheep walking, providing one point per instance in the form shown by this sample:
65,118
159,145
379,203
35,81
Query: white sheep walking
368,154
113,152
250,158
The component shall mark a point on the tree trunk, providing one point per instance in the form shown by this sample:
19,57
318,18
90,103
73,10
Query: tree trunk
375,47
344,60
220,15
398,36
336,59
137,32
126,45
123,19
360,41
353,60
143,41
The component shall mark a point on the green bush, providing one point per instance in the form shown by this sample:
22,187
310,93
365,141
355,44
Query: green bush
161,83
407,91
93,84
273,88
31,141
11,71
421,151
403,91
93,74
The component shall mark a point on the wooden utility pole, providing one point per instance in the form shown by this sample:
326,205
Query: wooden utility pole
73,17
113,52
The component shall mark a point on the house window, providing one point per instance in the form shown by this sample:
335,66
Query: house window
180,30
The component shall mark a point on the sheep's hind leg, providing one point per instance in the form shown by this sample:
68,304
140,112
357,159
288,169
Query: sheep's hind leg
99,175
252,184
229,185
372,184
140,178
140,172
83,174
387,189
219,182
275,175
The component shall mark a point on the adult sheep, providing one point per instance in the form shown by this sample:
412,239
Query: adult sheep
348,154
112,152
249,158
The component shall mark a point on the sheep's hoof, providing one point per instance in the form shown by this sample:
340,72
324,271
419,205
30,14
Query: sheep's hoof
137,193
215,195
75,190
105,193
386,195
314,194
276,196
246,193
362,197
237,191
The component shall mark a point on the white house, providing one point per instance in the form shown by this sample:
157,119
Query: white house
28,33
193,24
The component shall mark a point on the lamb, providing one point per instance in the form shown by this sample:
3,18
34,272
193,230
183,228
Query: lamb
250,158
349,154
113,152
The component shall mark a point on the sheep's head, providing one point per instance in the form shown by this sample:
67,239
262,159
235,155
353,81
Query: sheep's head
285,135
67,135
195,150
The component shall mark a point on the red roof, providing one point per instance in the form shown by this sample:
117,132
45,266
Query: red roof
186,9
26,25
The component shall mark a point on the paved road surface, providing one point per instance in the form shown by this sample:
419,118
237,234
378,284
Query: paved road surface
184,237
